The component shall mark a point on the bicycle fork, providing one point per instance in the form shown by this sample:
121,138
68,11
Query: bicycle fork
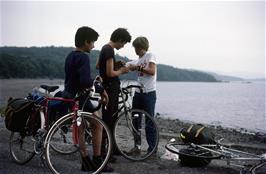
76,123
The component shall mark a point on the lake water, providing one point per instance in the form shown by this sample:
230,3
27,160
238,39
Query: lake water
233,104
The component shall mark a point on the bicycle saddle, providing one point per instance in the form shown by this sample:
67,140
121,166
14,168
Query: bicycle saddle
49,88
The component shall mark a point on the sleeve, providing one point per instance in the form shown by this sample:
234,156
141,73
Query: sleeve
85,72
108,53
152,58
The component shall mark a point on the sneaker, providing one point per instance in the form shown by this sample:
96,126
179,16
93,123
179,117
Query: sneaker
98,162
87,164
134,151
154,156
116,152
93,165
112,159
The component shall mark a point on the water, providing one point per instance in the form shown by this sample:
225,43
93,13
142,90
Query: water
235,104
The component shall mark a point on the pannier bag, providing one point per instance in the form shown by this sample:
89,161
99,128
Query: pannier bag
197,134
56,108
192,161
17,113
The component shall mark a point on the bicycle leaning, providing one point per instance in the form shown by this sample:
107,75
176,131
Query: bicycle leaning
133,125
58,142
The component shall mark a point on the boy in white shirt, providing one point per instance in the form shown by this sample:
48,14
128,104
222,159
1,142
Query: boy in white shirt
147,74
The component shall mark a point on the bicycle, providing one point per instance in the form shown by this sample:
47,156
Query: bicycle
202,154
24,146
124,130
58,140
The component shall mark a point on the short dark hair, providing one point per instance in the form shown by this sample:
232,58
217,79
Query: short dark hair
85,34
120,35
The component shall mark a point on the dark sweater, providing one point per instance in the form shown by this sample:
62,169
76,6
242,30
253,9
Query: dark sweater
78,73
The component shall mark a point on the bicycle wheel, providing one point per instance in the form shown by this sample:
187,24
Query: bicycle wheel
63,135
194,155
71,162
131,135
21,147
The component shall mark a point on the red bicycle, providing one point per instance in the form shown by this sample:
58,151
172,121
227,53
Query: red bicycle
58,141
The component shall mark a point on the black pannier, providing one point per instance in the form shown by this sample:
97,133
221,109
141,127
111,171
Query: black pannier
193,161
197,134
16,113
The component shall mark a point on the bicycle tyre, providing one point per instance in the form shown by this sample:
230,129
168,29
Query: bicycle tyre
124,134
194,151
21,147
63,134
71,163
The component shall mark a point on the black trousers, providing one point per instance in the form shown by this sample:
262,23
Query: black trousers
112,89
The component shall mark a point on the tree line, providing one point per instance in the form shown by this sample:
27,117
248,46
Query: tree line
48,62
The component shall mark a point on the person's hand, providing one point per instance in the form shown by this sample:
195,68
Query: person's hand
124,70
132,67
118,64
104,98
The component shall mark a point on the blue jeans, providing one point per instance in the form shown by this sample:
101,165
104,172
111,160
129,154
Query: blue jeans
146,102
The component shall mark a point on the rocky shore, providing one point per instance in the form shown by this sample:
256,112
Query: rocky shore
230,135
241,139
157,164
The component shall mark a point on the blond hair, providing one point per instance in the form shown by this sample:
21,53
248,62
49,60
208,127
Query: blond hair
141,43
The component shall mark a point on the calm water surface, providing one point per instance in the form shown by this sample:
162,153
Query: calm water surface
234,104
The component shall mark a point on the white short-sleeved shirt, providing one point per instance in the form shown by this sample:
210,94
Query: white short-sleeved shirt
148,81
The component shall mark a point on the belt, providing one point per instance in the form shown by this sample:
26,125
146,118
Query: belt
146,92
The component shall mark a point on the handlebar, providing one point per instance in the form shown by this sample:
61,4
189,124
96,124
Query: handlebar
124,90
89,93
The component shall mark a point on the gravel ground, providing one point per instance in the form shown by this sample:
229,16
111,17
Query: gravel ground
154,165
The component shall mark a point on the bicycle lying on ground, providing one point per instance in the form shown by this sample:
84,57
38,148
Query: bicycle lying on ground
125,131
198,155
57,142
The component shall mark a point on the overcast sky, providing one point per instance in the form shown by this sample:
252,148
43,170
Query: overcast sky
221,36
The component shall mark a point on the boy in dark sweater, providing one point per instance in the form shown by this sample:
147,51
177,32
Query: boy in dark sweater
78,78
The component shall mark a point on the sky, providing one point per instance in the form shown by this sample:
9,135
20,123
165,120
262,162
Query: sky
226,37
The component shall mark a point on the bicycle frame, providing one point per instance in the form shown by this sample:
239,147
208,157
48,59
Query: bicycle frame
230,155
125,107
45,107
74,109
